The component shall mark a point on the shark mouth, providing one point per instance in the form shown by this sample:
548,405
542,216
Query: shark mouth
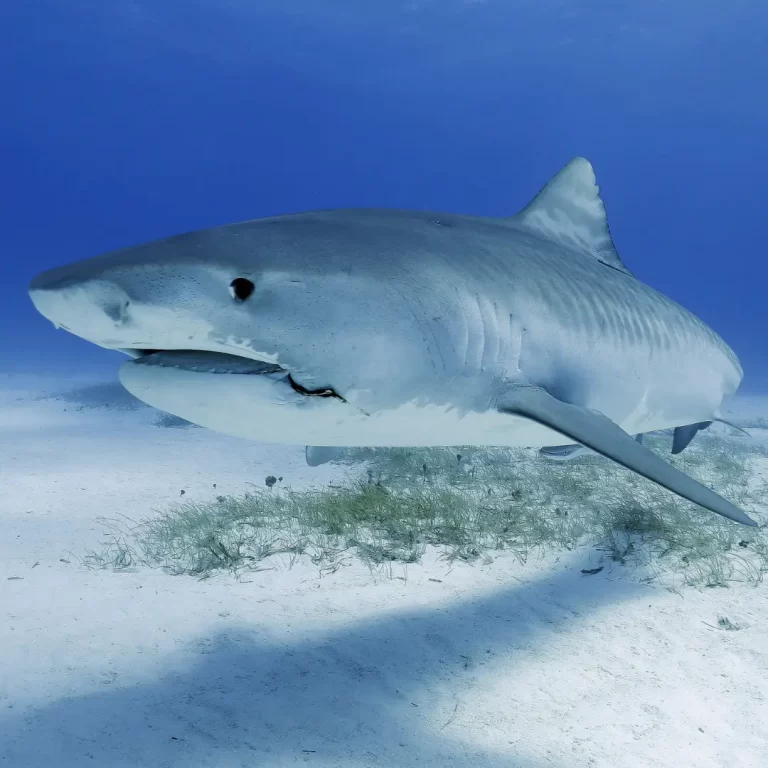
220,363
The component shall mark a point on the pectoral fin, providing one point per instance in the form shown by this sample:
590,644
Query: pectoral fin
321,454
598,432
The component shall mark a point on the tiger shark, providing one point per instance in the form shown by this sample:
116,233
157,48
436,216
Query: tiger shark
408,328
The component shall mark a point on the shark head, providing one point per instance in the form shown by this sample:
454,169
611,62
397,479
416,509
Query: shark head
239,327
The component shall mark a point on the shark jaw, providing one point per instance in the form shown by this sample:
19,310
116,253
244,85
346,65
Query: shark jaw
203,361
233,394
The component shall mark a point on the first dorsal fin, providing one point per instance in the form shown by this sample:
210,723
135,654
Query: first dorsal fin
570,211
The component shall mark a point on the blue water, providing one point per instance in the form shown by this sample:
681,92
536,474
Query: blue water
125,121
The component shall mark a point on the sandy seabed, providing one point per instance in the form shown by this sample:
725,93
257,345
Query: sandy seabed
434,664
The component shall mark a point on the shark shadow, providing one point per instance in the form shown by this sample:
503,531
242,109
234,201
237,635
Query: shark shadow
369,693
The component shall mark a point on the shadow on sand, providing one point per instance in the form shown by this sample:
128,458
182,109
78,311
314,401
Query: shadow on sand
377,692
113,396
108,394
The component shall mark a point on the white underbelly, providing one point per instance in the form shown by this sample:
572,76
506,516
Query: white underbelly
415,425
264,408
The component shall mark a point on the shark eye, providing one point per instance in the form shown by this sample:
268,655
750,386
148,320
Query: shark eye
241,288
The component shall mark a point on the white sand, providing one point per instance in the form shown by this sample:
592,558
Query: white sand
431,665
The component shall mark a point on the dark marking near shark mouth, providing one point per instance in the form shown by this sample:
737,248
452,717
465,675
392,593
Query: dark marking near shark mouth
313,392
221,363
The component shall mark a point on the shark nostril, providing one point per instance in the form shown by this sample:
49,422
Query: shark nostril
117,311
241,288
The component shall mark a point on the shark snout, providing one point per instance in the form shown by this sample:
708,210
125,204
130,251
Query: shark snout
124,309
92,309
